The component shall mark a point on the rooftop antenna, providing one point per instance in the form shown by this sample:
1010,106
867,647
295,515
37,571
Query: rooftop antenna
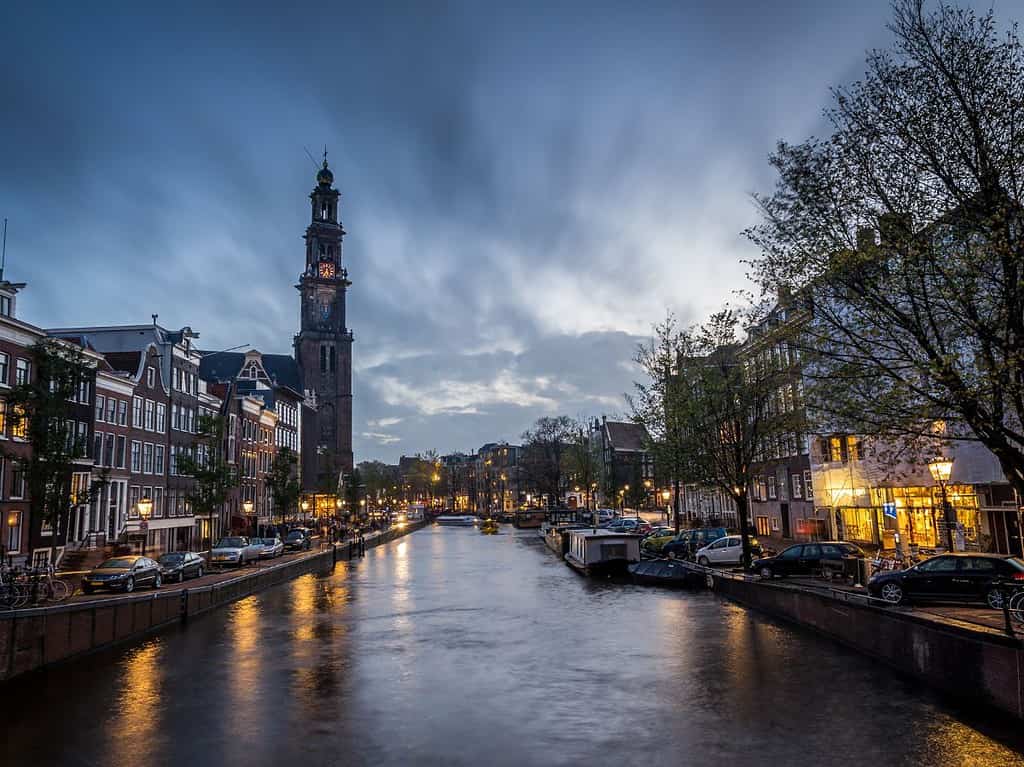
3,253
154,316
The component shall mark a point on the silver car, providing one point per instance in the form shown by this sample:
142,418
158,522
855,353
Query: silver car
270,547
235,551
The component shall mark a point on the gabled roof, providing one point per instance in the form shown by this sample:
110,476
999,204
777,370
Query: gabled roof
225,366
625,436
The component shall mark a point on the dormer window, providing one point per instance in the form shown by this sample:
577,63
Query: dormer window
253,371
5,305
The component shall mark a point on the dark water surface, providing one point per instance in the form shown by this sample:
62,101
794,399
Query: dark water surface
452,648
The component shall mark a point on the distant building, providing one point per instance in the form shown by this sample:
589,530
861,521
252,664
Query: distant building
625,465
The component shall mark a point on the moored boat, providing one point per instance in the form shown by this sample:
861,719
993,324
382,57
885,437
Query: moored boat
529,518
596,552
489,527
556,537
456,520
664,572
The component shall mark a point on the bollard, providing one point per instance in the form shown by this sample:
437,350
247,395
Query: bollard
1006,609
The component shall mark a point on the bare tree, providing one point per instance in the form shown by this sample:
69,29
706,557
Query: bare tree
902,235
543,456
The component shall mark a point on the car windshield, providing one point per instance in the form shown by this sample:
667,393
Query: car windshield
119,562
269,541
294,535
230,543
170,559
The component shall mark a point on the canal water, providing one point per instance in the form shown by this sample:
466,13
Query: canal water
452,648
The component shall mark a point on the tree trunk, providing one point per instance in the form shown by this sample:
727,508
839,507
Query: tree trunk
675,502
741,511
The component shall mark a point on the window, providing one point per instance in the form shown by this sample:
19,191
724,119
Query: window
812,552
13,525
161,417
938,565
147,458
108,453
323,359
122,412
3,419
150,376
100,405
852,449
120,451
172,461
332,360
798,486
22,371
176,417
83,392
19,422
97,449
835,449
978,564
793,552
5,361
136,456
17,481
82,443
158,459
133,500
111,410
150,415
137,412
158,501
772,489
808,487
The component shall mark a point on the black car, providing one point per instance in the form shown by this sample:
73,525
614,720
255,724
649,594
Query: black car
959,577
297,540
179,565
805,558
123,574
688,541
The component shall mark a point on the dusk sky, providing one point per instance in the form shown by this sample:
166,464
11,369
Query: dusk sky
527,187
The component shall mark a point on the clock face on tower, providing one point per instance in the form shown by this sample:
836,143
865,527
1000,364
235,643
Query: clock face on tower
326,269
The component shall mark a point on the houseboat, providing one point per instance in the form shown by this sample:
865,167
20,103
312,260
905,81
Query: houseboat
529,518
595,552
456,520
665,572
557,537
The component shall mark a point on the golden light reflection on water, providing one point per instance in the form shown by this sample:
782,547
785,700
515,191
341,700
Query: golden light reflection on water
138,707
244,629
962,745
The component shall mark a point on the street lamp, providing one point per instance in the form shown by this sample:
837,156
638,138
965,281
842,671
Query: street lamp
941,468
145,506
247,510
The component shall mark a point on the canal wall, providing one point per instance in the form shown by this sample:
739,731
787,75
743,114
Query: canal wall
971,663
37,637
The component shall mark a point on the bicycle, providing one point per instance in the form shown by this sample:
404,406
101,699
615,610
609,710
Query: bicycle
1016,606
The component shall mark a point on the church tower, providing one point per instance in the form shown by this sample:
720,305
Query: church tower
323,347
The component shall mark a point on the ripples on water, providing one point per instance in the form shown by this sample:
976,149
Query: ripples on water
452,648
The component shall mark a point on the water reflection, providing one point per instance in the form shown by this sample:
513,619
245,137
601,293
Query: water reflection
138,707
453,648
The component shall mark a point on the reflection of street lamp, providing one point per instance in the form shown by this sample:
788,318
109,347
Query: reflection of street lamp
145,506
941,469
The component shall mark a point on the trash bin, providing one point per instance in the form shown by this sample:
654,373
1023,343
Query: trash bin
863,570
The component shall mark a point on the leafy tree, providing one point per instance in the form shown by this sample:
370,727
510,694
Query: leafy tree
580,461
545,447
353,489
657,406
901,234
283,481
729,407
40,411
207,464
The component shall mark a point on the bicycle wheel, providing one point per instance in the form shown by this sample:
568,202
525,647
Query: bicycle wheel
1016,607
59,590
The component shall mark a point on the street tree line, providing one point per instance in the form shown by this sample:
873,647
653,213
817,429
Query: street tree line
895,247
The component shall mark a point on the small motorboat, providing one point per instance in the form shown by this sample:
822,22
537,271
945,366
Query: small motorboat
665,572
489,527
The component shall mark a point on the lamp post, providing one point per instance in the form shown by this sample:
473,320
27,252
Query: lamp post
145,506
666,496
305,510
247,510
941,468
12,522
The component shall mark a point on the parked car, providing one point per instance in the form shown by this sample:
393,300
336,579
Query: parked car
805,558
629,525
726,551
687,542
606,515
959,577
179,565
659,537
270,547
123,574
297,540
235,550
